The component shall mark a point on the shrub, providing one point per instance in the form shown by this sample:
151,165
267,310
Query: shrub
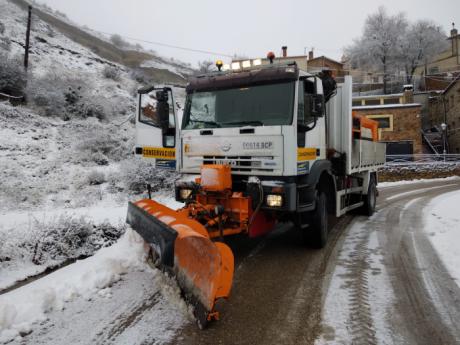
53,94
66,96
99,158
95,178
13,78
118,41
136,174
5,44
2,28
111,72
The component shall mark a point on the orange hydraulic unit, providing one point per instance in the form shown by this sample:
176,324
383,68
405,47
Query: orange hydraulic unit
189,241
365,128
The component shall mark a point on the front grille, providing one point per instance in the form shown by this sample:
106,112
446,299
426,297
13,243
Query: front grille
239,163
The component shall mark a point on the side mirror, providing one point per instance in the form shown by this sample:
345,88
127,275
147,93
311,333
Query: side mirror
163,109
318,106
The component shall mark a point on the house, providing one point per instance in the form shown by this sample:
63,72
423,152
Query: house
444,108
399,119
308,62
438,73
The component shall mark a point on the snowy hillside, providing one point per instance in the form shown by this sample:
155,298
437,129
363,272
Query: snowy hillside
66,164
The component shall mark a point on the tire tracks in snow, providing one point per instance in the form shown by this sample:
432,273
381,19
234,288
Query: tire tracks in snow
361,321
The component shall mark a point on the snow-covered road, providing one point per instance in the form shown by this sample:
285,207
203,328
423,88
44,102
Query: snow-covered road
394,282
390,279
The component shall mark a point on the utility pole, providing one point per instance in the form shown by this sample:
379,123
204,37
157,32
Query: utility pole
26,55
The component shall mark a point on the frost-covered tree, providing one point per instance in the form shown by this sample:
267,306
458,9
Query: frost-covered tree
118,41
379,47
205,66
421,42
390,44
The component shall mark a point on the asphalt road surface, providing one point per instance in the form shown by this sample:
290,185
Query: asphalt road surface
280,286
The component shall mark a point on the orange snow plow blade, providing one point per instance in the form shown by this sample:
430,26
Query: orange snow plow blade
203,268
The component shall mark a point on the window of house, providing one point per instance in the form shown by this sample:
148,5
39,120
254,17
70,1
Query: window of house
385,121
433,70
394,100
356,103
372,102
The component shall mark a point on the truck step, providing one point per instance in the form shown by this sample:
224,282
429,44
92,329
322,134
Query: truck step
305,208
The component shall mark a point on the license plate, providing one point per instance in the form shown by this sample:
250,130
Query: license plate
232,163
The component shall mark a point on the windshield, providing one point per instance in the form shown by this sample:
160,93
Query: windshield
265,105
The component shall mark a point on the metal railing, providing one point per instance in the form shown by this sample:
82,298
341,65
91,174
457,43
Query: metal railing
422,159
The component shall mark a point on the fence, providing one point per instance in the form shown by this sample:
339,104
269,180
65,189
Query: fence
423,159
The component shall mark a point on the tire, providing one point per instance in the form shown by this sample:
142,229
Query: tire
319,222
370,200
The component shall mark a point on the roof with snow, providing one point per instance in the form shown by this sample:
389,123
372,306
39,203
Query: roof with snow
387,106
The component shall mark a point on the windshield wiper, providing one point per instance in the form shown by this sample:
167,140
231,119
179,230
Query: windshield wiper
208,123
244,123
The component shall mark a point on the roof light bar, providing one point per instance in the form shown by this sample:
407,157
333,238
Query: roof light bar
236,66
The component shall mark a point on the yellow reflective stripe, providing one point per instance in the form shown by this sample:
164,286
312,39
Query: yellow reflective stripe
159,152
306,154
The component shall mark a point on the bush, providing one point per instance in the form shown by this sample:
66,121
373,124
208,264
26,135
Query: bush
13,78
111,72
55,242
96,178
53,94
99,158
99,147
118,41
136,174
67,97
2,28
5,44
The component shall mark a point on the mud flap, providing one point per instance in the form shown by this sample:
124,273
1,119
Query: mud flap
203,269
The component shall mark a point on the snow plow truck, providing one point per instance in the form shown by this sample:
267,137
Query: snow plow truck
263,144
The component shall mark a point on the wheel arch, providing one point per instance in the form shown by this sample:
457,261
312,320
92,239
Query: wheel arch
321,177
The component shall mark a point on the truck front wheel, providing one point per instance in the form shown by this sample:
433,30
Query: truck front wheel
318,222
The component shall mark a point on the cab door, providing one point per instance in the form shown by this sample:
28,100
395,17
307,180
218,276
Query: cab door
156,130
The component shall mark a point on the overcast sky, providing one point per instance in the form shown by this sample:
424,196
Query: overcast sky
248,28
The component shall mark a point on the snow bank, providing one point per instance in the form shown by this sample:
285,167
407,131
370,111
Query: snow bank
442,222
21,308
405,182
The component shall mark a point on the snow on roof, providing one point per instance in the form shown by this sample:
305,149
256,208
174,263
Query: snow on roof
379,96
386,106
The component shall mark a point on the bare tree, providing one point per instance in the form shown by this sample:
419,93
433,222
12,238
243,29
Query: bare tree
390,44
205,66
421,42
380,46
118,41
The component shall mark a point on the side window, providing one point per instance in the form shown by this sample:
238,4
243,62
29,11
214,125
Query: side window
156,109
150,105
310,90
301,104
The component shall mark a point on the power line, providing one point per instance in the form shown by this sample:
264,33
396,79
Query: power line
169,45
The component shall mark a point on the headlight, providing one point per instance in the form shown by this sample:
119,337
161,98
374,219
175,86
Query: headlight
185,193
274,200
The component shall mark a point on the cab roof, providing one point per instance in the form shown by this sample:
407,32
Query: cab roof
260,75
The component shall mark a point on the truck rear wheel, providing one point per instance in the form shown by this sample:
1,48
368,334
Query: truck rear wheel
370,200
319,222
